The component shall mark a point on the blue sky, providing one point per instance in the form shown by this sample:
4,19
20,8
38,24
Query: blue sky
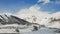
14,6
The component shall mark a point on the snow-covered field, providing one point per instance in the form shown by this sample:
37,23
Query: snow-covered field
40,31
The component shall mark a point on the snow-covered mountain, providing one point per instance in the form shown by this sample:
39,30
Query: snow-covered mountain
14,22
30,21
49,20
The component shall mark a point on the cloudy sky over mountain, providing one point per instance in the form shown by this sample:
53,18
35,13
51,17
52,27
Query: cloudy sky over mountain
14,6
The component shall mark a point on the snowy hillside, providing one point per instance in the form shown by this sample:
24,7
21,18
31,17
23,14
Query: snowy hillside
47,21
16,24
29,22
41,18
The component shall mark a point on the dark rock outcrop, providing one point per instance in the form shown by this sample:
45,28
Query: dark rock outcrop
12,20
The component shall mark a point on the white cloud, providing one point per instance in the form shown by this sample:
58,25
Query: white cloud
45,1
33,10
48,1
